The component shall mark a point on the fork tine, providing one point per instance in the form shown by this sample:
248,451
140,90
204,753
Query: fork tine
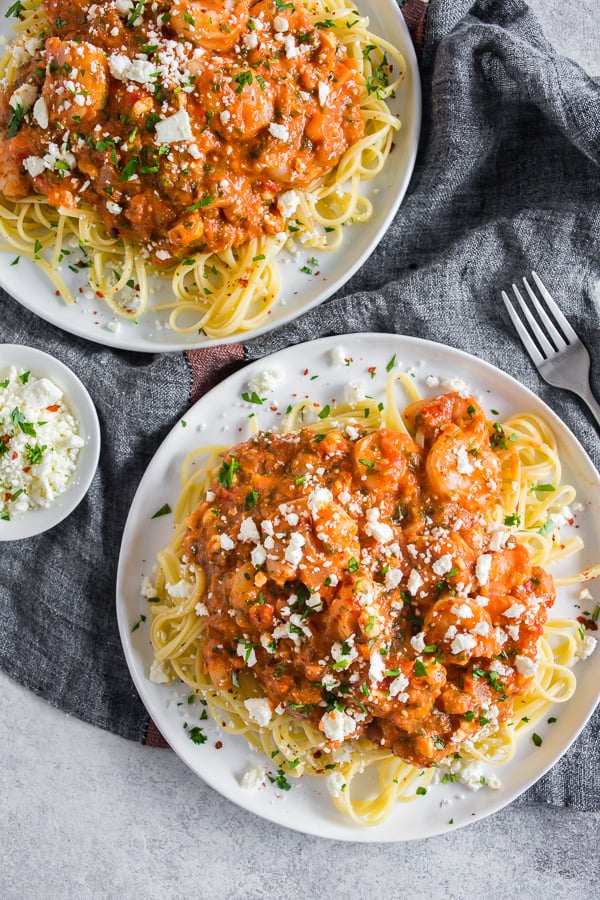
546,346
521,330
555,309
555,335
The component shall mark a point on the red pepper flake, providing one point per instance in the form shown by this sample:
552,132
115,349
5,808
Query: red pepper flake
54,408
273,408
218,745
14,454
27,468
589,624
371,370
100,294
305,372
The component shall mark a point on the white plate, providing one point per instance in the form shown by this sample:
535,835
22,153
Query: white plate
41,364
300,292
222,417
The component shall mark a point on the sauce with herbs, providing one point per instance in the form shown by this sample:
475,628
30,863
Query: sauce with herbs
359,581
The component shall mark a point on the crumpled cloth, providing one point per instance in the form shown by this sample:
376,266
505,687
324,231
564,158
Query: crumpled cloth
507,179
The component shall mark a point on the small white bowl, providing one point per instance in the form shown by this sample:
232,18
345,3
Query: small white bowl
41,364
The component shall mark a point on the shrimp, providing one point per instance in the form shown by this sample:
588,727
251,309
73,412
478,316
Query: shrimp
211,24
76,86
427,417
14,184
461,468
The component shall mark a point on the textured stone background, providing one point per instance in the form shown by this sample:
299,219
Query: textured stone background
84,814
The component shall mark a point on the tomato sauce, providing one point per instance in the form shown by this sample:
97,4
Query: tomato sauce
359,580
182,124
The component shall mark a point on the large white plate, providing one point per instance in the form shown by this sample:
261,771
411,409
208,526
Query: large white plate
222,417
300,292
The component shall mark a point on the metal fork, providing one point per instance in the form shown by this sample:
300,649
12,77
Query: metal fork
561,359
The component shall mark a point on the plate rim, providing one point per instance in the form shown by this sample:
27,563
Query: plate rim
84,410
103,336
364,834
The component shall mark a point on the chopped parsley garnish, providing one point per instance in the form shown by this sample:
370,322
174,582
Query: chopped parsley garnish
421,791
141,619
391,364
536,739
513,520
33,453
252,398
163,511
547,527
227,471
15,10
196,735
367,462
420,668
205,201
251,499
130,169
17,114
324,412
352,564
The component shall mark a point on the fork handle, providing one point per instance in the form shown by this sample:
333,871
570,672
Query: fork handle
592,404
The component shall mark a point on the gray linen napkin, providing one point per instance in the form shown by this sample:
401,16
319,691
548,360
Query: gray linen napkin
507,179
58,628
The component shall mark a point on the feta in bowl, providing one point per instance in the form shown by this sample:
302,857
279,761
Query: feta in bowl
49,441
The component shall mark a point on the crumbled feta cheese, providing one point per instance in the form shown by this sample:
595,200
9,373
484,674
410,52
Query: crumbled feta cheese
174,128
514,611
397,686
462,643
376,668
337,725
393,577
585,647
324,91
40,112
462,611
414,582
279,131
266,381
287,203
319,497
24,97
482,568
252,779
248,531
157,673
443,565
35,481
180,590
525,666
258,556
259,710
201,609
335,783
226,542
294,552
418,642
355,392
